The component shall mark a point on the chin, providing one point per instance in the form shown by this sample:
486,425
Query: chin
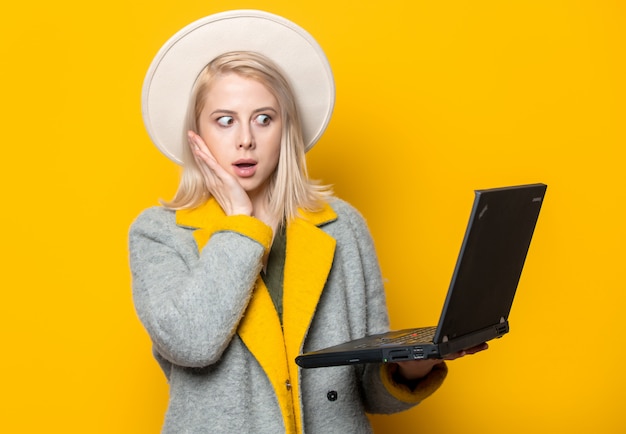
253,189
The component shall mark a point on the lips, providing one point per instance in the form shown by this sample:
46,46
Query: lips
245,168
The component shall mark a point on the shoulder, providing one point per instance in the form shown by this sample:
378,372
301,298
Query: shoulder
343,209
154,217
349,220
155,228
155,223
346,213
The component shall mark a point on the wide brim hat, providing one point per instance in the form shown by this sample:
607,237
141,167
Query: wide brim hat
174,70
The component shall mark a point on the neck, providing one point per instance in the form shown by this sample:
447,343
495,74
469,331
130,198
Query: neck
260,205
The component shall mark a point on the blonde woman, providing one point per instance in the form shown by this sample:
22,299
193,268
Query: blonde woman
251,263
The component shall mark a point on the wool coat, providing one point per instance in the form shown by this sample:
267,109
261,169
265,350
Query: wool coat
229,361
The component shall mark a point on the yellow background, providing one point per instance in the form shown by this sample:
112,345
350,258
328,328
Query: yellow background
434,99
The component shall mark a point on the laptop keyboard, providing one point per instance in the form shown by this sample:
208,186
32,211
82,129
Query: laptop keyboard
416,336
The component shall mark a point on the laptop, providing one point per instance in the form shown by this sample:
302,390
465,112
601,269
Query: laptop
481,292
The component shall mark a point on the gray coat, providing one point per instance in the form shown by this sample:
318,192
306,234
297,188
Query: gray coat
215,332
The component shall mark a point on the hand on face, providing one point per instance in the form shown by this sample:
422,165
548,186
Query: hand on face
222,185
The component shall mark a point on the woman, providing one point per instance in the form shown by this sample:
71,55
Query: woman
252,263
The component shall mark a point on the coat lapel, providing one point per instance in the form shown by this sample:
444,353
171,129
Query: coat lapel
310,253
260,330
309,258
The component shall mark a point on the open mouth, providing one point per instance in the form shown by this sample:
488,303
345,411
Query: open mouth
245,168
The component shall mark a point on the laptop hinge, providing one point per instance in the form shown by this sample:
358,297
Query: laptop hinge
501,328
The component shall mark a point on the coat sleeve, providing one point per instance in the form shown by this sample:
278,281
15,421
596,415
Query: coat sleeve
191,301
381,394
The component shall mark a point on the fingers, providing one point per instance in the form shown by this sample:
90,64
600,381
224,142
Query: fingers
201,151
468,351
223,186
478,348
213,172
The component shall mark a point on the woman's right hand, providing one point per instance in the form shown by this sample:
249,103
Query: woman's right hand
222,185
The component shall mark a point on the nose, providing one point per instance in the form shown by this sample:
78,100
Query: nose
246,139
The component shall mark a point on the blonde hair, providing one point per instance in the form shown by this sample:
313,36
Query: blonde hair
290,187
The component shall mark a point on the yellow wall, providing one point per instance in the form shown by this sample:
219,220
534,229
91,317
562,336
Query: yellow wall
435,99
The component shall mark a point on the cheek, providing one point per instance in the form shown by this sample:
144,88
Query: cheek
275,151
213,141
217,149
277,139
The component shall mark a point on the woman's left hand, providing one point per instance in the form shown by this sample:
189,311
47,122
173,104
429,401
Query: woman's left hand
416,369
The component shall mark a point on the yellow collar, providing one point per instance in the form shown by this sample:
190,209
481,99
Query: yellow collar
308,261
202,215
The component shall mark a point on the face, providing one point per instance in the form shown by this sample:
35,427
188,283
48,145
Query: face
241,125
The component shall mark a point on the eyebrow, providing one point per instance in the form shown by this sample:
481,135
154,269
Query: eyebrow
232,112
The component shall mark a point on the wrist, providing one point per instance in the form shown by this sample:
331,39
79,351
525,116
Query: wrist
416,370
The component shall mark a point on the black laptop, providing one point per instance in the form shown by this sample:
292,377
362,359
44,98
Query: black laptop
481,292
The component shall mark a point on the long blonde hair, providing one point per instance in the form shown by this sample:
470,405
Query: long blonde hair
290,187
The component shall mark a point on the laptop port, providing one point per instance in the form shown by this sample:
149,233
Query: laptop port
402,354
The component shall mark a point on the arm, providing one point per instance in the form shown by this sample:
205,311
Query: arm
191,302
384,388
409,382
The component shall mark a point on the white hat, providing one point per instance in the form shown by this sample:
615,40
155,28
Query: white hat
173,72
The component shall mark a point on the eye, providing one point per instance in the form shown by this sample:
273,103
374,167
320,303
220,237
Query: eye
225,121
263,120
